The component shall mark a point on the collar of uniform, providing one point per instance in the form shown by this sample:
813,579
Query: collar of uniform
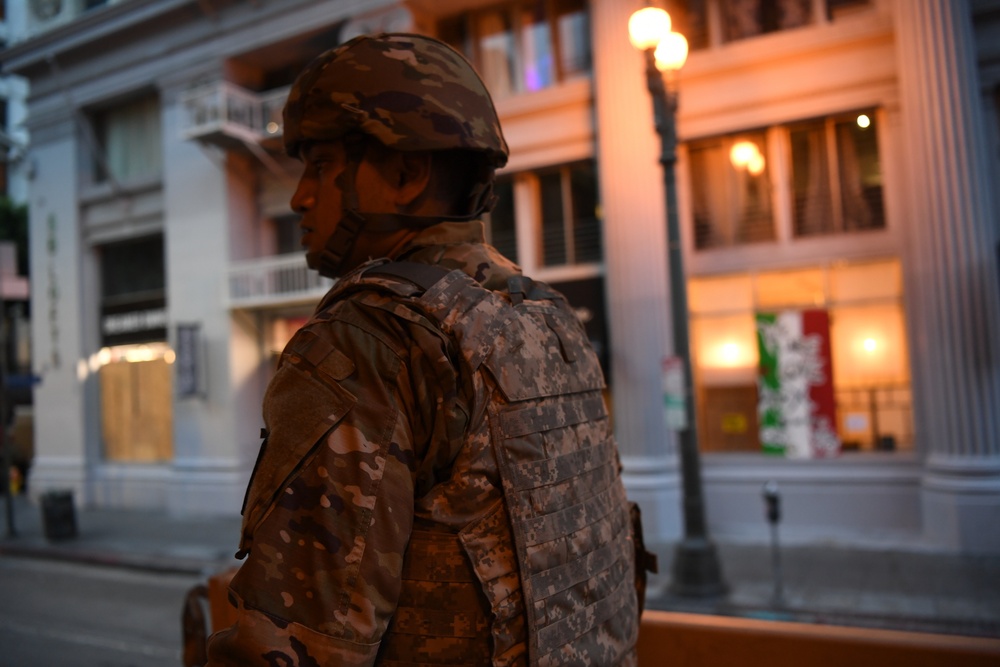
445,233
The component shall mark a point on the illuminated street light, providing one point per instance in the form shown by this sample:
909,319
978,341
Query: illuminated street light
696,570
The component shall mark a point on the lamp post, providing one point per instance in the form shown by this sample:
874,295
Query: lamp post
696,570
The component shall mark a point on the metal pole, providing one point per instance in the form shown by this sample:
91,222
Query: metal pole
696,564
4,440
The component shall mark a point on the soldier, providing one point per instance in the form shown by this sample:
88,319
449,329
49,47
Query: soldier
438,481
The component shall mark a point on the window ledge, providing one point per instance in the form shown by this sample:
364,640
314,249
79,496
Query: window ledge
572,92
96,193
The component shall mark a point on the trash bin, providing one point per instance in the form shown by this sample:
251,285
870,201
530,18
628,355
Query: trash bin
58,515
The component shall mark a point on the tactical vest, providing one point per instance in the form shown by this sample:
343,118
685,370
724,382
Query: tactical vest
549,573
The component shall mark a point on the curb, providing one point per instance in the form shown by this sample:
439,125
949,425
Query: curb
132,561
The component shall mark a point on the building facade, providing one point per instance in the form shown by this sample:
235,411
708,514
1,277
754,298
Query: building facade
835,165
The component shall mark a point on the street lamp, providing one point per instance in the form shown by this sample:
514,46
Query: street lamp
696,569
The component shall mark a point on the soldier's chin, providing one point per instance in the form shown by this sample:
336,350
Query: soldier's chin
313,260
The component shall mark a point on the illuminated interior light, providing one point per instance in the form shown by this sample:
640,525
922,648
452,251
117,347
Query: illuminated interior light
272,128
869,345
139,354
756,165
169,356
743,152
729,354
864,121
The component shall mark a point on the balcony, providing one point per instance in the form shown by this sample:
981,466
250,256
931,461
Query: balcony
270,282
226,115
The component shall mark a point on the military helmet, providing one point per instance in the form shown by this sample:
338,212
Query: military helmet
409,92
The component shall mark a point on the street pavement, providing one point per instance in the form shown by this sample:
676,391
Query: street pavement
922,591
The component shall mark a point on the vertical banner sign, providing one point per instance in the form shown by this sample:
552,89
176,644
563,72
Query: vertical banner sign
796,406
674,394
187,360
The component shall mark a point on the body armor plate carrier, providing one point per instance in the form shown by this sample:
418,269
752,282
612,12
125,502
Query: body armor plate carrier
558,555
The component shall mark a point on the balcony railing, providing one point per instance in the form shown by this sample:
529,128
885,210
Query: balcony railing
274,281
222,110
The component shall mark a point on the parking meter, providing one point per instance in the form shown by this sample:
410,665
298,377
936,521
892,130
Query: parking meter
773,501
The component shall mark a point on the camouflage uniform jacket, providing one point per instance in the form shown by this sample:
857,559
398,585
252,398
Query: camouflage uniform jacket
427,493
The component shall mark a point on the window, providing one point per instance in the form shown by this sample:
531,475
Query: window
716,22
128,141
524,46
833,172
501,228
731,192
869,356
748,18
836,176
559,223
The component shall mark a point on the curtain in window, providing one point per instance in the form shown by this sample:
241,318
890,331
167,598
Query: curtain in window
746,18
536,47
496,52
732,203
811,181
132,141
861,186
708,173
857,215
573,35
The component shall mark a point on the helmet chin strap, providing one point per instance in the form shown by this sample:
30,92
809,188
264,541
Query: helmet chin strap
332,260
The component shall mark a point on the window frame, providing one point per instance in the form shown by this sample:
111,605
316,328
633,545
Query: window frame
464,37
787,247
98,170
527,211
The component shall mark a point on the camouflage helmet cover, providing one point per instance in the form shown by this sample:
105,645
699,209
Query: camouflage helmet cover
409,92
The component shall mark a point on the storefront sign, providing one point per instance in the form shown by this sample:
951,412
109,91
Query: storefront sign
136,322
796,407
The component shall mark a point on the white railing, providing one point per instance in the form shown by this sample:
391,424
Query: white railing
226,108
273,281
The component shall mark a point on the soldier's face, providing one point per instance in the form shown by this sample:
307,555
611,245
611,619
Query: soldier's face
319,196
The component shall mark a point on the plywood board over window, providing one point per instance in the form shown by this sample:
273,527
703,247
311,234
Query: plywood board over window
136,400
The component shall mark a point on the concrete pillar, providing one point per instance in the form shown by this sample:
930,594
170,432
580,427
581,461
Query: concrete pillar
632,196
60,324
954,298
215,436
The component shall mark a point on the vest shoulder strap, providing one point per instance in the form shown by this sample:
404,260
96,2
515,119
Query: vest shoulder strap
424,276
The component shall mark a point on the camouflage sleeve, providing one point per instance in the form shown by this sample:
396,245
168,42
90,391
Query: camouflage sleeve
329,516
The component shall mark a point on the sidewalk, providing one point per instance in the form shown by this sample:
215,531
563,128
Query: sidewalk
151,541
916,591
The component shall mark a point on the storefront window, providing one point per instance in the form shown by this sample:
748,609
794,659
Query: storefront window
862,302
137,403
135,362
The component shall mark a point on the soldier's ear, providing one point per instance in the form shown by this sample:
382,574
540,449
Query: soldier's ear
412,176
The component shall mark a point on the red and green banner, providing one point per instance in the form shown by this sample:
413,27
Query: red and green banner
796,407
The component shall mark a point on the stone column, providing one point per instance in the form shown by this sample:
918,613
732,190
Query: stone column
632,196
952,281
